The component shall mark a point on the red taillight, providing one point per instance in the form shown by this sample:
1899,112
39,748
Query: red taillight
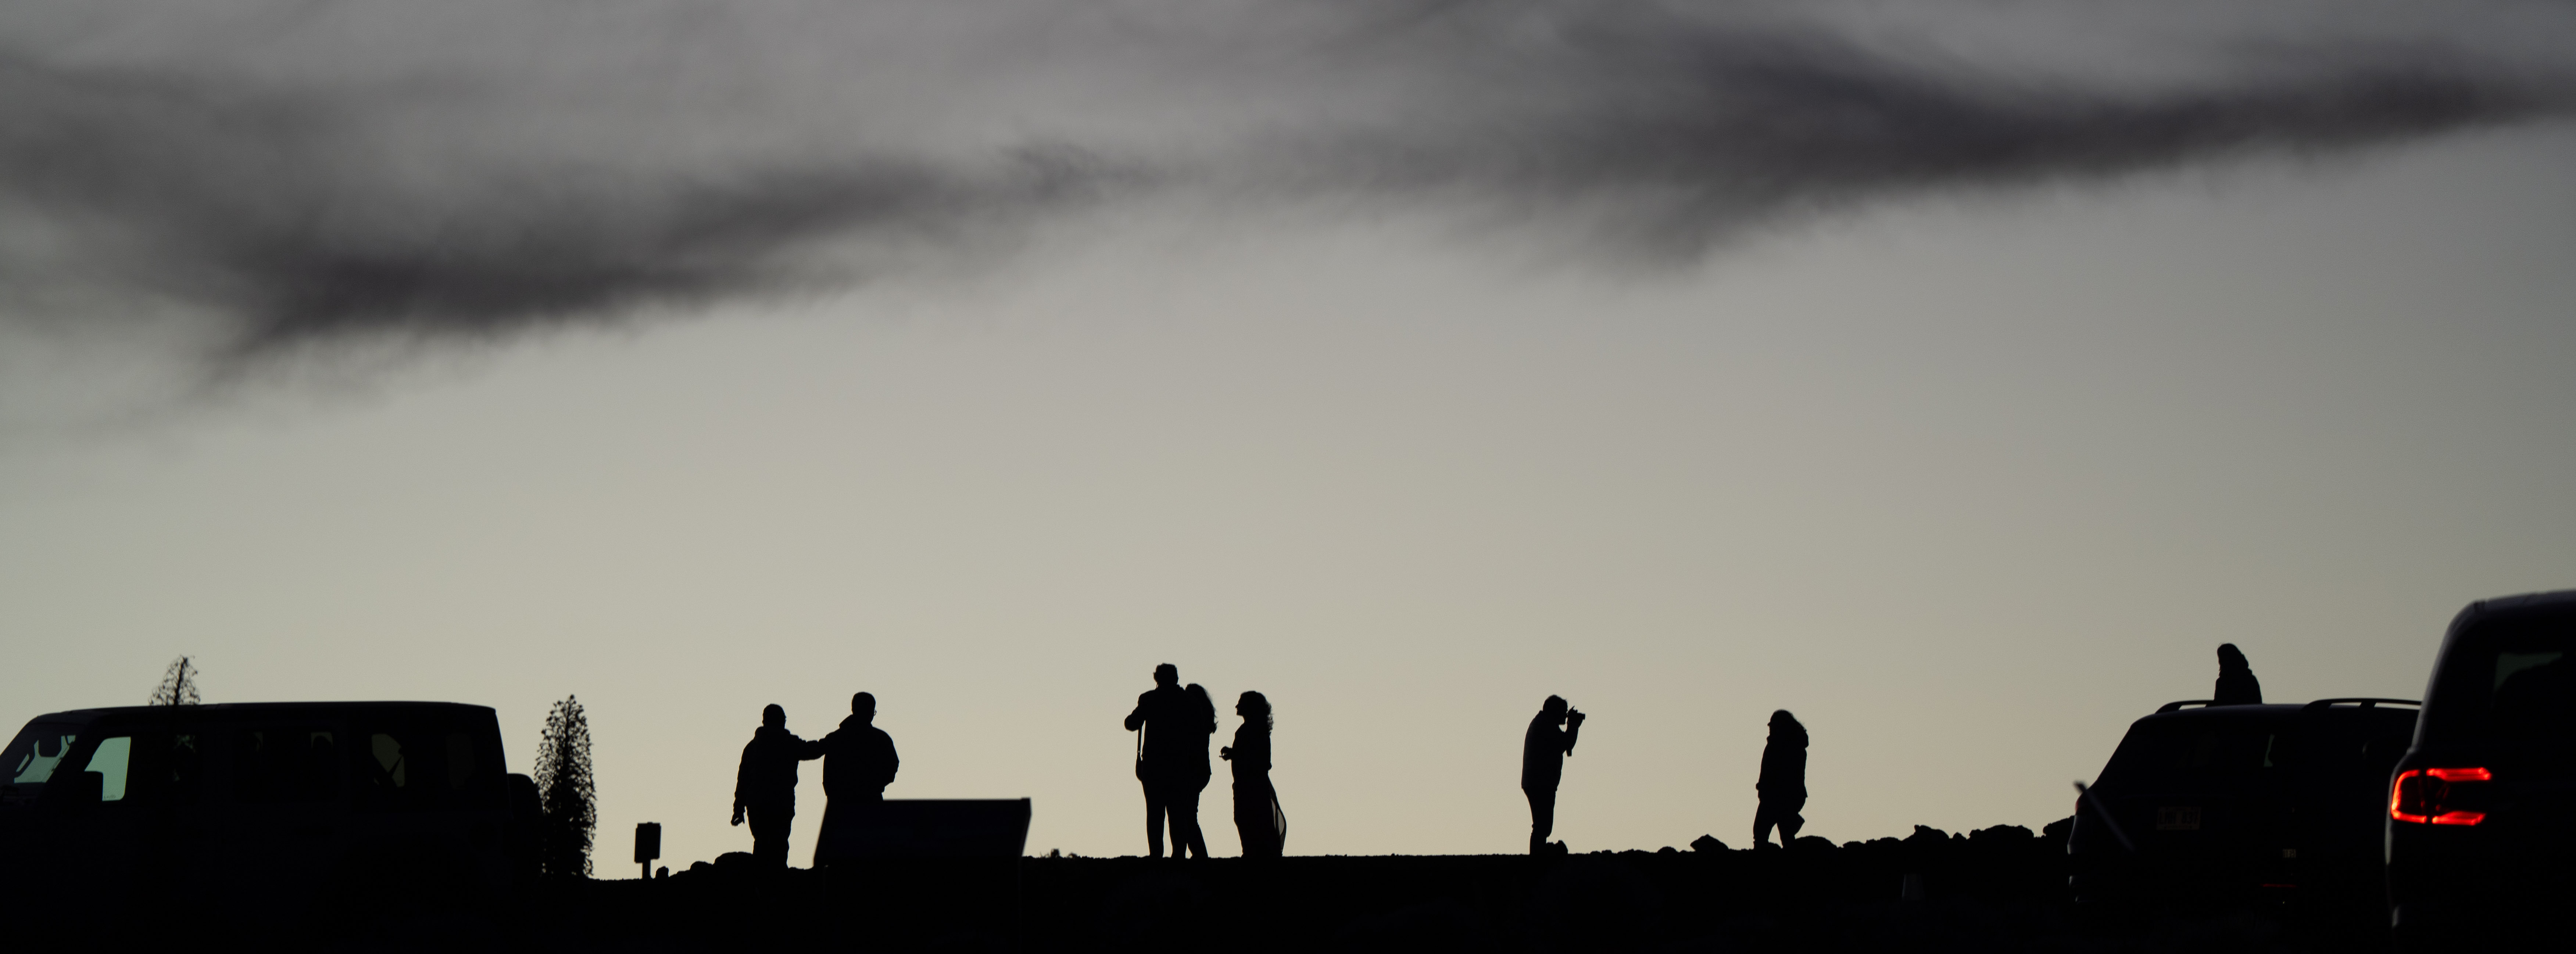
2438,796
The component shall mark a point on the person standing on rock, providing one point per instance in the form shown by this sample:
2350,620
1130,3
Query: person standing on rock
1782,786
858,763
1543,751
764,787
2236,683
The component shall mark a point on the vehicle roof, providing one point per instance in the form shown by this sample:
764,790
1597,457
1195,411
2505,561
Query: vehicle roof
249,709
2270,711
2550,603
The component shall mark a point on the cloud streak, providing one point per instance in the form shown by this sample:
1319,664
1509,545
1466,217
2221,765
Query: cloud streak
321,202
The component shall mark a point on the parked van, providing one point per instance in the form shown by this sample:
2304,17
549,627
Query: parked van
2481,813
2244,803
264,798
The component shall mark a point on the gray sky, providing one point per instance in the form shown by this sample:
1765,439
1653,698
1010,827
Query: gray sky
1957,382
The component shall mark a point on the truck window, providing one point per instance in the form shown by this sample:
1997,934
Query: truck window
33,755
109,762
2168,752
32,758
286,764
389,759
417,766
2535,695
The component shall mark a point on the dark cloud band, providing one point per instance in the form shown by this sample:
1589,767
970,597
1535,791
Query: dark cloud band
293,210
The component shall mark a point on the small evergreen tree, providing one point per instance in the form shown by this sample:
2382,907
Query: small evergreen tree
568,808
178,685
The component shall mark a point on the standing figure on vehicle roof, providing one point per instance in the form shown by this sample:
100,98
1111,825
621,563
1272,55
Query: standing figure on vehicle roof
1782,786
765,786
2236,683
858,763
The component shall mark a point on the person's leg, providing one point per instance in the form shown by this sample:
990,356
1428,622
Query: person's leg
1791,821
1762,819
1542,817
1244,829
769,829
1154,811
1185,823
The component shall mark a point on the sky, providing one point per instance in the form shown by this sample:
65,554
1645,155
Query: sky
1956,376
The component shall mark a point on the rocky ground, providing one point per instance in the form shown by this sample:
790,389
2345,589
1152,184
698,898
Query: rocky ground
1999,889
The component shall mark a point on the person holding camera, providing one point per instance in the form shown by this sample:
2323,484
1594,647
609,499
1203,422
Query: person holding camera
1543,752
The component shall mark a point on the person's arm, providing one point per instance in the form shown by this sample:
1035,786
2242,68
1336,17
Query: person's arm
1573,726
1136,719
809,751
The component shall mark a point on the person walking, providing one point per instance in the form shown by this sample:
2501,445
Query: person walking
1258,820
1543,751
858,763
1782,787
2236,683
1162,720
764,787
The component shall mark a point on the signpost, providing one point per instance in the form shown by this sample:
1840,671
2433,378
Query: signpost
648,845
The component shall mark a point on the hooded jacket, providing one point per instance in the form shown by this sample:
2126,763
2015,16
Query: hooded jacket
1784,764
768,773
858,759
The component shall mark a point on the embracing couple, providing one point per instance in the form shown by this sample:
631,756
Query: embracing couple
1172,726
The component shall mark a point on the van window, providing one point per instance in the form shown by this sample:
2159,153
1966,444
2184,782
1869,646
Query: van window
389,758
2193,749
416,767
2535,695
33,755
109,762
286,764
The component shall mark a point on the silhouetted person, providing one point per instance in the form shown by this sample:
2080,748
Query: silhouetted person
858,763
1258,819
765,786
1543,752
1171,757
1783,783
1196,772
2236,683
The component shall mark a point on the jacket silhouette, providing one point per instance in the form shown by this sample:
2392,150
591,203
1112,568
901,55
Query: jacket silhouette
1258,819
1543,751
1171,758
858,763
765,786
2236,683
1782,785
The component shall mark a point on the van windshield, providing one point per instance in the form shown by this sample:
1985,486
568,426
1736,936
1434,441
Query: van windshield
33,757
